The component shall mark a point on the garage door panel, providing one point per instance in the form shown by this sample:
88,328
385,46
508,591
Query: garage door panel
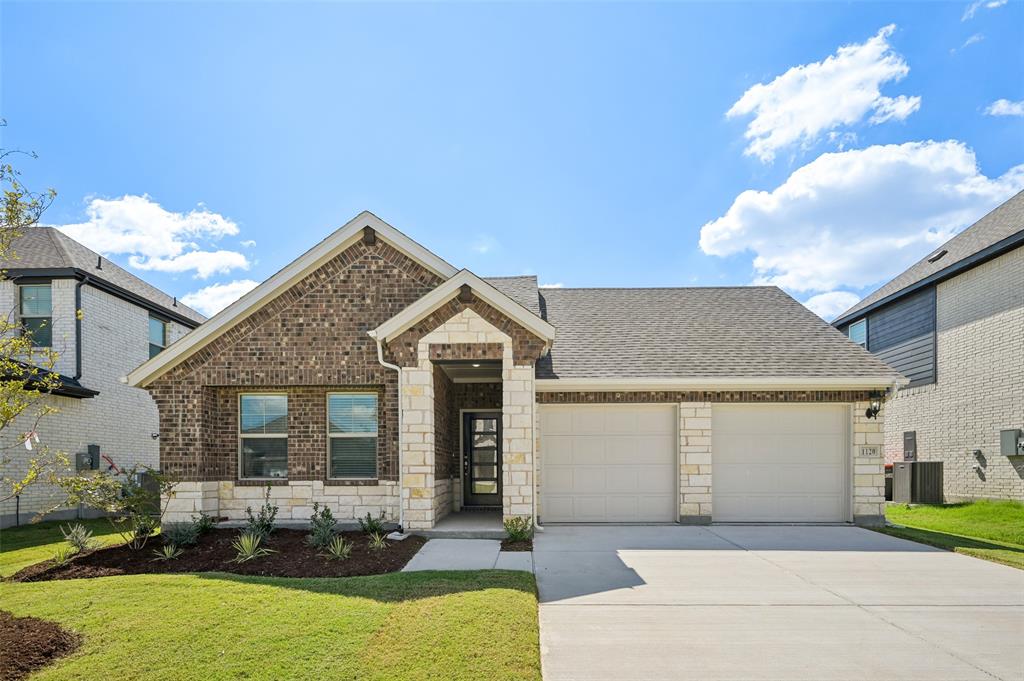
590,421
558,479
622,507
622,480
590,508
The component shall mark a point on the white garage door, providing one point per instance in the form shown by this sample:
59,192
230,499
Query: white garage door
608,463
779,463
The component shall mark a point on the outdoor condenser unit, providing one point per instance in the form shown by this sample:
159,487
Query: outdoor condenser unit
917,482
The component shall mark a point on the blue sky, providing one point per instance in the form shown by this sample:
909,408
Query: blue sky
206,146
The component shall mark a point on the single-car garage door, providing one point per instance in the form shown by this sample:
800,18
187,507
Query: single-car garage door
779,463
608,463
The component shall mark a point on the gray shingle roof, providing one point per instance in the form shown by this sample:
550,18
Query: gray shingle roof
747,331
1004,221
522,289
49,248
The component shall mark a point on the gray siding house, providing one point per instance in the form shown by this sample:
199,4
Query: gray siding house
125,321
954,325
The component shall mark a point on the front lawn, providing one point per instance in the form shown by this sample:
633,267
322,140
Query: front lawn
993,530
29,544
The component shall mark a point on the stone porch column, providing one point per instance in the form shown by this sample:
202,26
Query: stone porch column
518,402
868,467
417,474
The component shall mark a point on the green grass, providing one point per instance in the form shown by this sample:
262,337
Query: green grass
28,544
992,530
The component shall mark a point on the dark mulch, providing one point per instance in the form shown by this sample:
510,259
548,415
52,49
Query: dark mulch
521,545
292,557
27,644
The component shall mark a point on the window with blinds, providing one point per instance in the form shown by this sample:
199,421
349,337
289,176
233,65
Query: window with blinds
352,435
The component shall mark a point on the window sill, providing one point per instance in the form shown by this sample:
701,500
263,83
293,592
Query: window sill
261,482
350,482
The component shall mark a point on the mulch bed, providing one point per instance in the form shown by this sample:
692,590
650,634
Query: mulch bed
27,644
292,557
521,545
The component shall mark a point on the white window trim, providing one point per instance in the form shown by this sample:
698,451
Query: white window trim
254,436
863,321
49,317
330,435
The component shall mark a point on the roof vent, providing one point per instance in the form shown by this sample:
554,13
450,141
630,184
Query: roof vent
99,262
938,256
369,236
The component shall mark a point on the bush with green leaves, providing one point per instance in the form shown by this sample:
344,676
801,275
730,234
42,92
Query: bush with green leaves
322,526
203,523
262,523
167,552
378,541
79,537
371,525
63,555
519,528
180,534
247,547
337,549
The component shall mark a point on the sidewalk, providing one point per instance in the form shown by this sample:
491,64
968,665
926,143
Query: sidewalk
468,554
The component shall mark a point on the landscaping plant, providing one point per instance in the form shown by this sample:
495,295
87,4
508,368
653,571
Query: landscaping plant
322,526
371,525
63,554
248,547
337,548
519,529
262,523
79,537
167,552
180,534
378,541
203,523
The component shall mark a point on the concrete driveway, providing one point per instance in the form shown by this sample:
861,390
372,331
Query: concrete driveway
787,603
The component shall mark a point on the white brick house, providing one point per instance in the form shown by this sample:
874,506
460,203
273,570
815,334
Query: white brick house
53,276
954,324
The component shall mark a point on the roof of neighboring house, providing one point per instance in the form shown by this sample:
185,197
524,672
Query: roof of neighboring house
704,332
47,248
1001,228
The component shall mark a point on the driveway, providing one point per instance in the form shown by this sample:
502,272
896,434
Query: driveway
787,603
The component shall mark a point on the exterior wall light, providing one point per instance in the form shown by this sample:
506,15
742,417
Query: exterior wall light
874,406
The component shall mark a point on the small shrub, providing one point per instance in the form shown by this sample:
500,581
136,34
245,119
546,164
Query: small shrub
519,529
337,548
79,537
167,552
378,541
63,555
180,534
248,547
321,526
262,523
371,525
203,523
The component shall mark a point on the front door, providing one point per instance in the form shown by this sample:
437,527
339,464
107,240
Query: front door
481,459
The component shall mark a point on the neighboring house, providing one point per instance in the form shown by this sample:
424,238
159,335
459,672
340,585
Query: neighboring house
125,321
373,376
954,324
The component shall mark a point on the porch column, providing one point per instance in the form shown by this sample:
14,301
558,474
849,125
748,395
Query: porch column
418,446
868,467
518,400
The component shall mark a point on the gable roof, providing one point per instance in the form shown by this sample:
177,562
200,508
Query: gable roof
997,232
701,336
522,289
42,250
280,282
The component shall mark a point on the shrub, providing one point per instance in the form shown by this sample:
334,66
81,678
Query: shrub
371,525
63,555
321,526
519,529
167,552
79,537
337,548
262,523
180,534
378,541
203,523
248,547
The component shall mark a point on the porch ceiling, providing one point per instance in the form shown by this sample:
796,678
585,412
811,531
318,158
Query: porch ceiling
483,371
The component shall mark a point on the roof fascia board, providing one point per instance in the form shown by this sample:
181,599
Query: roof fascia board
448,290
960,266
715,383
280,282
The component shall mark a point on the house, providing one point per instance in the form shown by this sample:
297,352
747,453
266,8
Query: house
124,322
373,376
954,324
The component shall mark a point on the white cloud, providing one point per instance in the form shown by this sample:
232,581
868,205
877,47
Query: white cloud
484,244
973,8
812,99
212,299
558,285
828,305
859,217
155,238
1004,107
248,243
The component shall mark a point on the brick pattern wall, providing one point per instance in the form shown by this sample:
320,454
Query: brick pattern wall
464,351
640,397
979,388
446,433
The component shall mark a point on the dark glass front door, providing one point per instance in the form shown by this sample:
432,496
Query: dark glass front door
481,459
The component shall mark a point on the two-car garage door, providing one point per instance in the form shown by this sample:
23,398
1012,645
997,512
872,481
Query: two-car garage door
618,463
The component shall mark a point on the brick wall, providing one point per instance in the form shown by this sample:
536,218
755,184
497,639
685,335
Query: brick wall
446,418
797,396
979,387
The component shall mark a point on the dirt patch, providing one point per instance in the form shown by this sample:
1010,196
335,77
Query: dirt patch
521,545
28,644
291,557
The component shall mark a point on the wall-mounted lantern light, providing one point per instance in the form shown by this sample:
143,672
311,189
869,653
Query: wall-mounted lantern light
874,406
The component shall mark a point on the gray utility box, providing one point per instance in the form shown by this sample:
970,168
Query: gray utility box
917,482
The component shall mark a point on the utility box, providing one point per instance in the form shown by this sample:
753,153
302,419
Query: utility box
917,482
88,460
1010,443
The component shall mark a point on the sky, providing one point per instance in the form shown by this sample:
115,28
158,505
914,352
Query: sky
820,147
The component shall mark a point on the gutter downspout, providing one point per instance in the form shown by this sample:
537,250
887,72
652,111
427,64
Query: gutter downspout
398,369
533,450
78,325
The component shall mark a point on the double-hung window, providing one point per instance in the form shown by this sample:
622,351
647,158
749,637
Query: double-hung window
36,312
157,336
858,332
263,435
352,435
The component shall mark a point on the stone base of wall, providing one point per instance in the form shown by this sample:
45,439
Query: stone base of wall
869,520
694,520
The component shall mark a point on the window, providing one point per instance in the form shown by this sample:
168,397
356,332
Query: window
263,435
36,312
157,336
858,333
352,435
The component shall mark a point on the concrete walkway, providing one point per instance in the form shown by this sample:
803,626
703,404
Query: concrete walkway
795,603
468,554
